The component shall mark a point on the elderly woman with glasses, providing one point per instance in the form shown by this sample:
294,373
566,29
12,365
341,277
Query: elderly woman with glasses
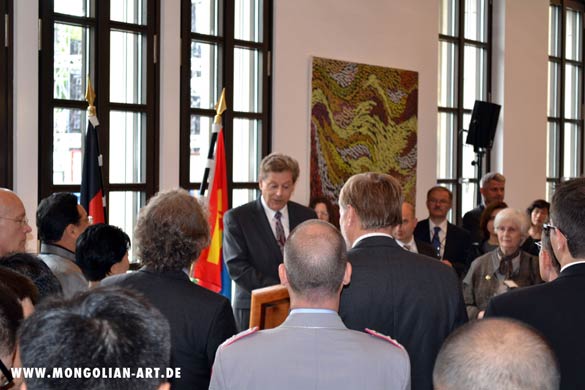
502,269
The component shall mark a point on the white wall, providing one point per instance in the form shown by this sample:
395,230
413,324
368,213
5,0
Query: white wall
390,33
26,103
520,74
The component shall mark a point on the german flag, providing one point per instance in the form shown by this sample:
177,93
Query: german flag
92,188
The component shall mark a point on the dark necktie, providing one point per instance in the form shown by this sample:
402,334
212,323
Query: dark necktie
407,247
437,241
280,237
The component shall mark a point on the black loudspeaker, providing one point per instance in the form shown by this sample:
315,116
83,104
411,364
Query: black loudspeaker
482,127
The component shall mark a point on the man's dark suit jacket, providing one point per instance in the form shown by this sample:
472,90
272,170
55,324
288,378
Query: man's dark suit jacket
471,223
555,309
424,248
250,250
457,244
407,296
200,320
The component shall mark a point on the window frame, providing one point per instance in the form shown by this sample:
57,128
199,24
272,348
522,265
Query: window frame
561,120
99,69
456,183
6,95
227,44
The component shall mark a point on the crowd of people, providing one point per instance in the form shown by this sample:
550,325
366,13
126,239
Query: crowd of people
378,299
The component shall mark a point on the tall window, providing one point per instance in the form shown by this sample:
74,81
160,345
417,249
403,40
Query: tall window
565,92
226,44
464,76
6,73
114,42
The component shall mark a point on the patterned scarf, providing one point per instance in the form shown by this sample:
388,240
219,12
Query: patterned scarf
506,266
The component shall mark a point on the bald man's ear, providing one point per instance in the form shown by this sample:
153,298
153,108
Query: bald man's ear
347,274
282,275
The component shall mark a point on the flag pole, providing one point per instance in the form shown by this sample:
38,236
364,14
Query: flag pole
220,107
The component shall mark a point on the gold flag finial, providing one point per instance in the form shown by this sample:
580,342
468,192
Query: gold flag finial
90,97
220,107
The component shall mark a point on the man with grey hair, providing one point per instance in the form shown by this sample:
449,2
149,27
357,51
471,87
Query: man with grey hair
496,354
255,233
171,231
553,308
492,189
312,348
410,297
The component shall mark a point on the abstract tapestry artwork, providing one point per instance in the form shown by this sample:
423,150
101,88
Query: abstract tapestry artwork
363,119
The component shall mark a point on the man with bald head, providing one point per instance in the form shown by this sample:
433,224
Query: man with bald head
312,348
404,233
13,223
496,354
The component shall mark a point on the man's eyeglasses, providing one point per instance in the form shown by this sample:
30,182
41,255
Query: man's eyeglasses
22,222
546,228
8,378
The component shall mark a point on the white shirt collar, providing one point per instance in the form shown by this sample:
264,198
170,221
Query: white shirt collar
411,244
442,225
564,267
270,215
370,235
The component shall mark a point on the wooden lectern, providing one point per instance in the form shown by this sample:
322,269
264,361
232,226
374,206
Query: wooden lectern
269,307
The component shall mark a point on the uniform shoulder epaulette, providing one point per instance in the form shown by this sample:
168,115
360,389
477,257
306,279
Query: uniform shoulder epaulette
239,336
384,337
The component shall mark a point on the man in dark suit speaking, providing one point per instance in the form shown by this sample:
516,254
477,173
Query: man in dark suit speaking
410,297
555,308
255,233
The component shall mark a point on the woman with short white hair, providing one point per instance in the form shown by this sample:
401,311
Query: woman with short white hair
504,268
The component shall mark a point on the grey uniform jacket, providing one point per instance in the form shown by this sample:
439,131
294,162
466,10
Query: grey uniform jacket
310,351
62,264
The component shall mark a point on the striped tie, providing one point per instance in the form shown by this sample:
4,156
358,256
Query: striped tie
280,237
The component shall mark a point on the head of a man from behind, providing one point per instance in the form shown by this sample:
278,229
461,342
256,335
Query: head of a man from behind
315,265
14,225
277,178
10,317
495,354
566,216
60,220
171,231
369,202
36,270
106,327
405,231
493,187
102,250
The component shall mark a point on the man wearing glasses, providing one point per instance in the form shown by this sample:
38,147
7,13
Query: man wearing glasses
451,243
13,223
555,308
